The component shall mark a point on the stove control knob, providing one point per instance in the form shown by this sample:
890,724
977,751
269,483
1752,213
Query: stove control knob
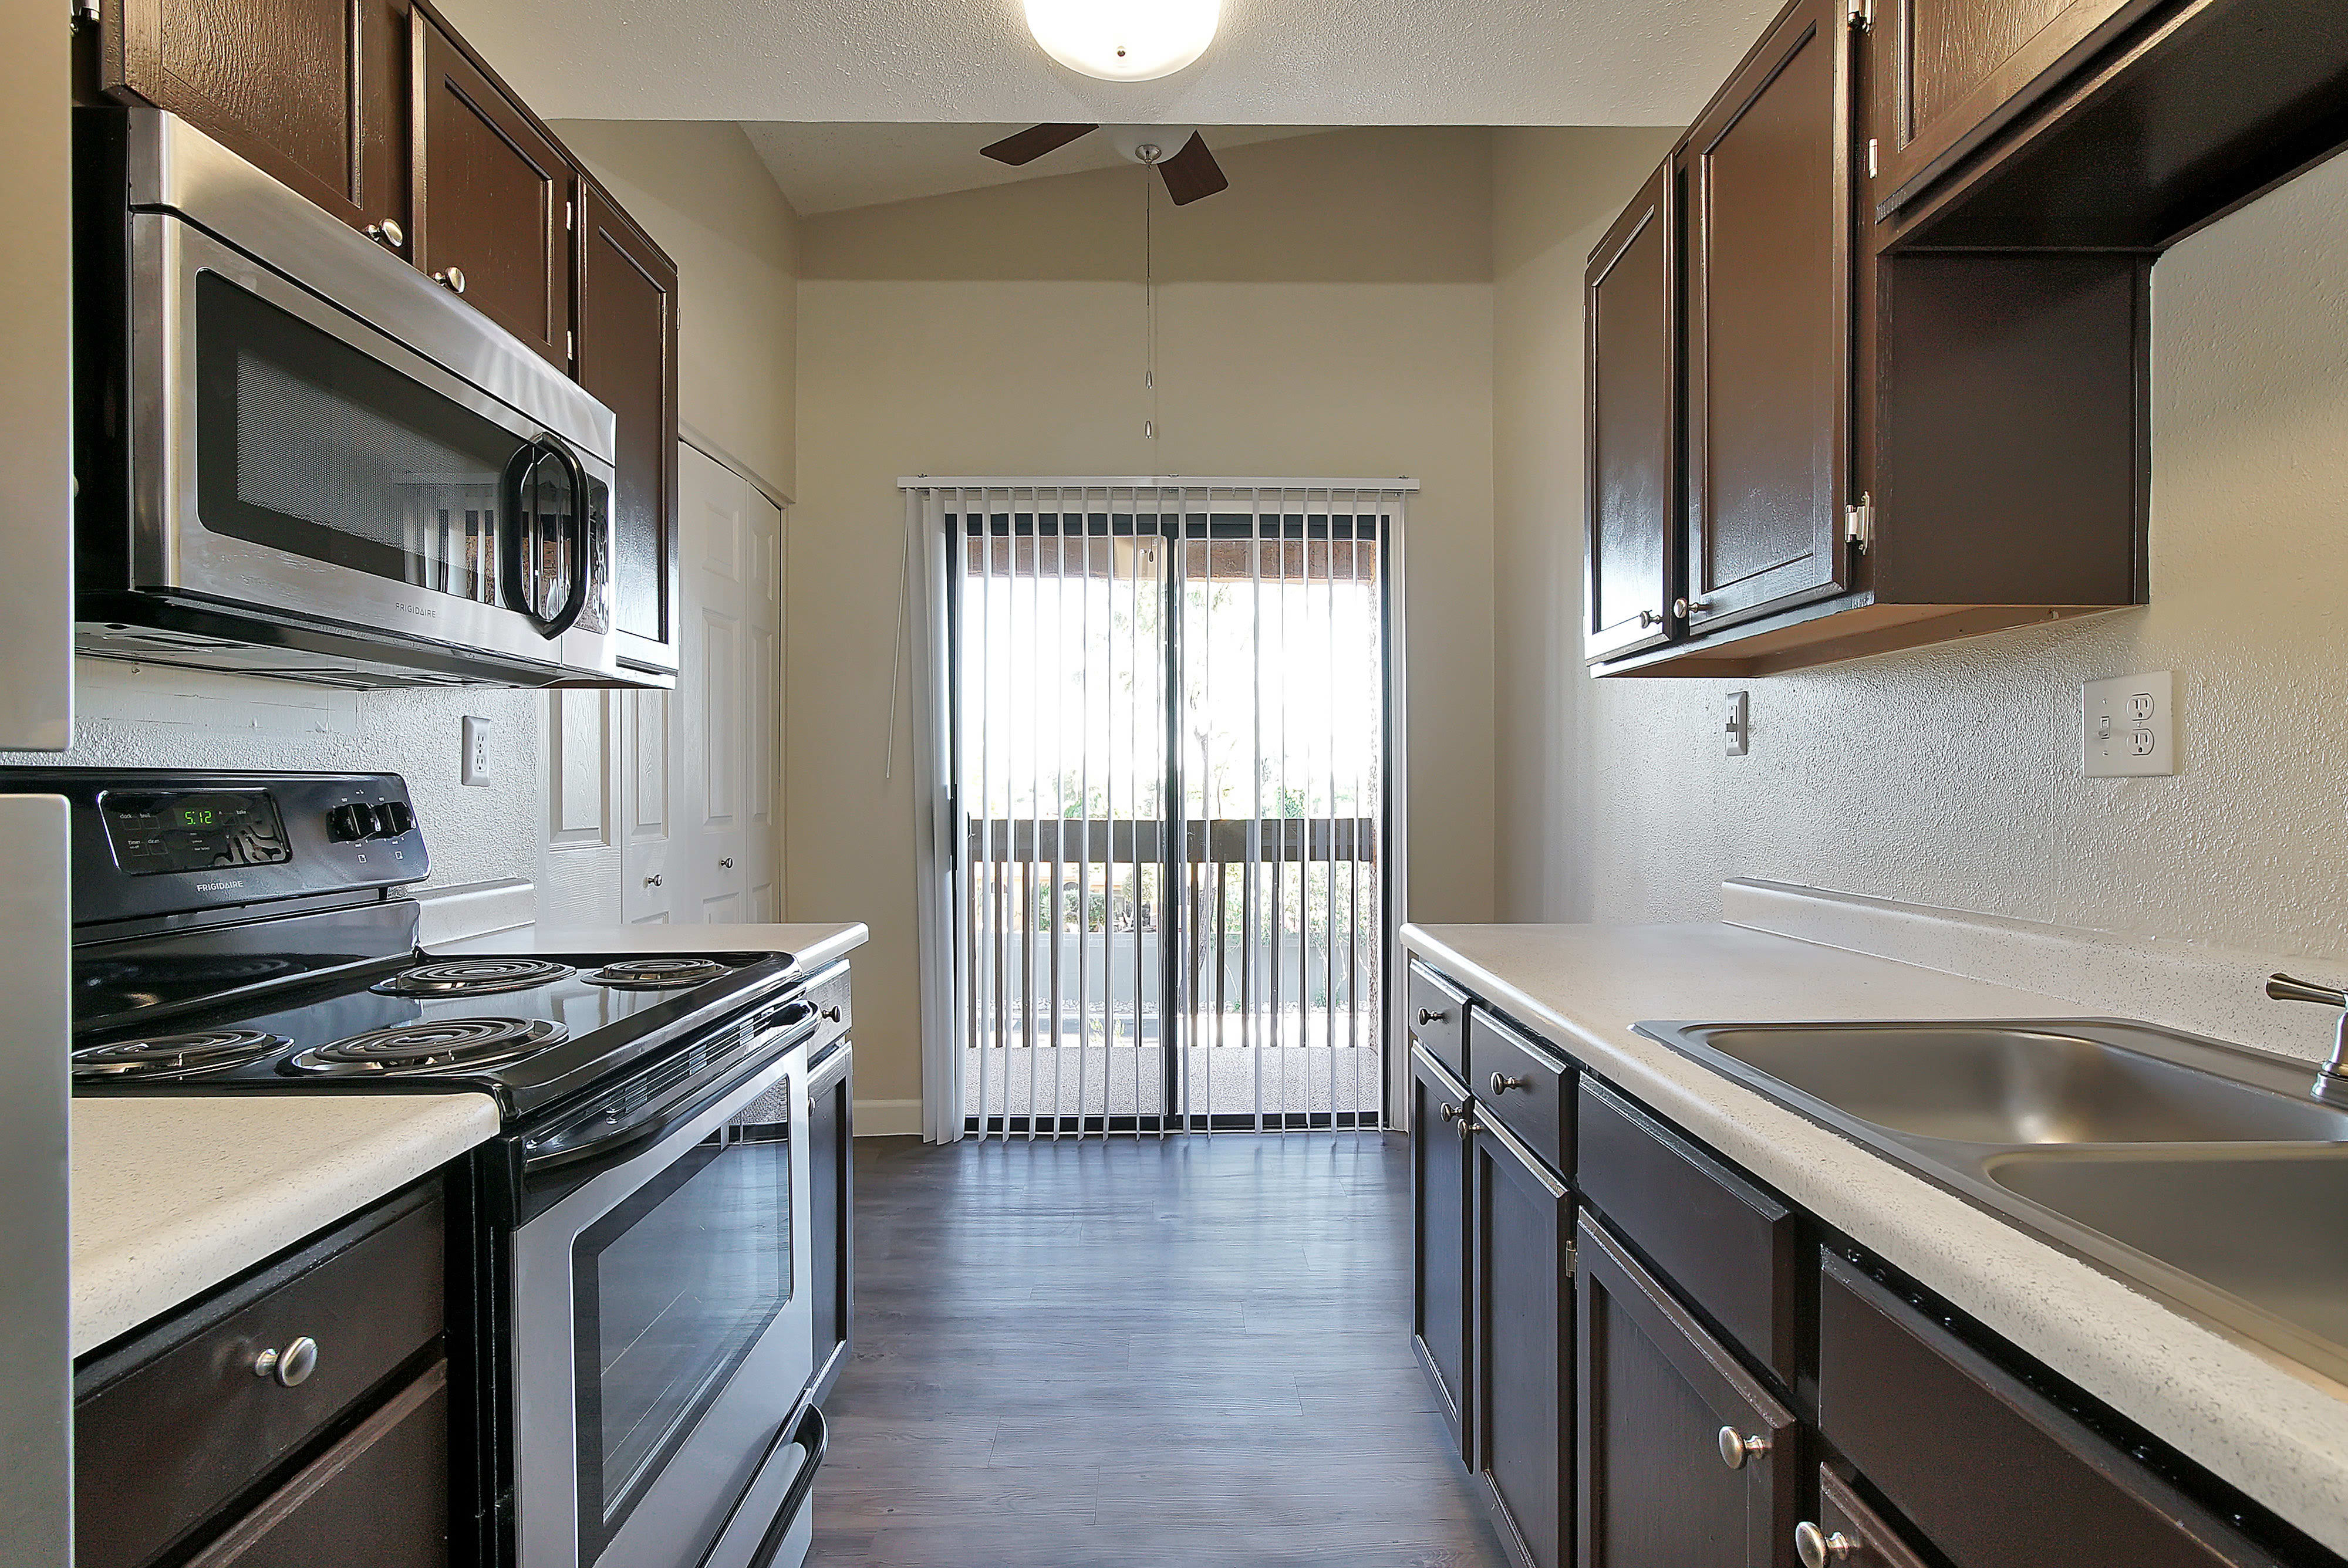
350,822
393,819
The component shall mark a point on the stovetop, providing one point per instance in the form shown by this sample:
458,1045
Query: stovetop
530,1030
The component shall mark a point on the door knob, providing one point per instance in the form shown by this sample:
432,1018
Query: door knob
1736,1447
1817,1548
388,232
1650,617
1431,1015
1502,1083
727,864
1683,608
454,278
654,880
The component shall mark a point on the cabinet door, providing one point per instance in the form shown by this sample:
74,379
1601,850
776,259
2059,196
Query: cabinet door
1686,1461
1767,173
1439,1214
315,92
1631,426
1523,1337
1951,72
627,358
492,198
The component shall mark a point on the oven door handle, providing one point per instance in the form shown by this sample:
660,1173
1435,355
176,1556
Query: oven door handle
579,1162
748,1542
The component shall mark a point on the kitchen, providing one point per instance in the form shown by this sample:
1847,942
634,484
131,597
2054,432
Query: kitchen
2054,406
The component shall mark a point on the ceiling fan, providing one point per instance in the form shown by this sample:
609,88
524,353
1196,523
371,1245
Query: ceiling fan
1189,173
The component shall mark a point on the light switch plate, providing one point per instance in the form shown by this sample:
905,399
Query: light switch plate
473,767
2131,726
1738,725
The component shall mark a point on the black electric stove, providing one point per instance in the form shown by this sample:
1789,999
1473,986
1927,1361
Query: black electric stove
249,933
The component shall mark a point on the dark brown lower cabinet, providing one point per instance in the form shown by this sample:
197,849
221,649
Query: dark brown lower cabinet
1686,1460
1848,1533
1438,1180
1521,1343
380,1495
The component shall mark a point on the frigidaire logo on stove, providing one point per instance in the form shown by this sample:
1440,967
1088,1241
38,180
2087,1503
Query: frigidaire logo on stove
429,611
219,887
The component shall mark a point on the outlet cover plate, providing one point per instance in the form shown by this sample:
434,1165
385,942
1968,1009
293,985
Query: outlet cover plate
473,766
2131,726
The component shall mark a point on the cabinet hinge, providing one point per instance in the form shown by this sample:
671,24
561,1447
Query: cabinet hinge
570,215
1874,155
1572,1259
1862,14
570,344
85,11
1858,523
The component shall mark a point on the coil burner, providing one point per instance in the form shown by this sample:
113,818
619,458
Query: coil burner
172,1056
473,977
432,1046
659,974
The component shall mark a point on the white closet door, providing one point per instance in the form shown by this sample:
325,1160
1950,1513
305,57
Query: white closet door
723,717
648,814
762,743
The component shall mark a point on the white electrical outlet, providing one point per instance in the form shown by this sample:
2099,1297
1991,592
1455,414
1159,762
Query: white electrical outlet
2131,726
1738,725
474,766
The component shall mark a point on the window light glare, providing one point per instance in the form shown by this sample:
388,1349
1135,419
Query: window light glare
1123,40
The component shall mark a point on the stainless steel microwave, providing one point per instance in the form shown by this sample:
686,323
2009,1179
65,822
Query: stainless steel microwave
296,456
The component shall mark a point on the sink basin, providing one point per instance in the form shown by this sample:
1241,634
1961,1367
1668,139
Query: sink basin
1998,1083
2270,1229
2201,1170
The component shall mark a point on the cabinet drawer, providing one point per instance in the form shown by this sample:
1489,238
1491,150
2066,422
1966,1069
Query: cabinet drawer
386,1483
1992,1472
828,992
1524,1086
1851,1532
188,1424
1439,1017
1728,1245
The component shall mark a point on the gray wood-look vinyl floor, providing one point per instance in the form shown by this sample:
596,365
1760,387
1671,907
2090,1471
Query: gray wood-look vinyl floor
1187,1352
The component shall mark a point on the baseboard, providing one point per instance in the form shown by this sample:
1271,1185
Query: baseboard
888,1118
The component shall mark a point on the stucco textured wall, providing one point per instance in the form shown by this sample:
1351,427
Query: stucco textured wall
1952,776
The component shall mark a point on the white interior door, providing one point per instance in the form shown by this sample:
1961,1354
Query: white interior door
647,813
725,719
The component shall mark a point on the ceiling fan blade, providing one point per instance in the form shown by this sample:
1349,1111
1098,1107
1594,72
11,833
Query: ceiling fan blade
1192,172
1027,146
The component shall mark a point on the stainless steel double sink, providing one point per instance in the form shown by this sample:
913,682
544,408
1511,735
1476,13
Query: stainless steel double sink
2201,1170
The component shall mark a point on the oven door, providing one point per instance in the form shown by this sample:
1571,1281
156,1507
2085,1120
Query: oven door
663,1335
290,459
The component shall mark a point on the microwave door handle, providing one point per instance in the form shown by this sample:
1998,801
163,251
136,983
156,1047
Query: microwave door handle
574,530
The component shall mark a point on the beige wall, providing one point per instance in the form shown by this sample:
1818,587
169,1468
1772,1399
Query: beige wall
699,189
1329,315
1952,776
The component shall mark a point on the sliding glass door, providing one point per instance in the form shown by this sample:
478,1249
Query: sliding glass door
1168,730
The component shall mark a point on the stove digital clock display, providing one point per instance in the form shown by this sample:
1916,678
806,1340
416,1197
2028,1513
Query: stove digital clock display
157,832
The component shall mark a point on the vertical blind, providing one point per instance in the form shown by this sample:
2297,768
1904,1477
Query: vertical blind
1161,753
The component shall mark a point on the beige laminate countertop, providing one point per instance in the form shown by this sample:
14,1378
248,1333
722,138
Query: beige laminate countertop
2277,1431
175,1193
816,944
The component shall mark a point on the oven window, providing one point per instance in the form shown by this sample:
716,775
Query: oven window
306,444
673,1289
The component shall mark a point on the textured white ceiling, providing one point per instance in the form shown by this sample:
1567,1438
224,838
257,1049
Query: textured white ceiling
1275,62
826,168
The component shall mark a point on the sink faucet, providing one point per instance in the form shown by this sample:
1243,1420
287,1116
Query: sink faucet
2332,1078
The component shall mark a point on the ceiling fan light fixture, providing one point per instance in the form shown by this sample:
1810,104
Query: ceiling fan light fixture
1123,40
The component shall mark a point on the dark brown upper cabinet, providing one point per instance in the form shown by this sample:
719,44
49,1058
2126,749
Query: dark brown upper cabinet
314,92
1631,315
1953,71
1769,324
627,358
493,198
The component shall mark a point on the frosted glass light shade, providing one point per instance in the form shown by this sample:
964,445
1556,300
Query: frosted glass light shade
1123,40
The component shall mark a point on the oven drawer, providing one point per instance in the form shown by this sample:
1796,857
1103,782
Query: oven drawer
169,1430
